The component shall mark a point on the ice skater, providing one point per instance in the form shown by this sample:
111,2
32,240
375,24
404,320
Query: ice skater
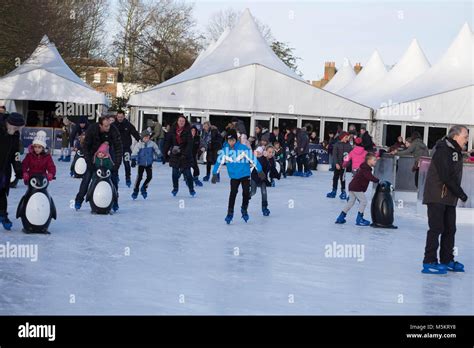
340,150
9,156
357,189
238,160
142,154
258,181
38,161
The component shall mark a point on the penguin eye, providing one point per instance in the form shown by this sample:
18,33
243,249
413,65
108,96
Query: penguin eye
45,181
33,181
108,172
98,172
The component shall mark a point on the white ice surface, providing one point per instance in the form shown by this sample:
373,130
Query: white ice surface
189,250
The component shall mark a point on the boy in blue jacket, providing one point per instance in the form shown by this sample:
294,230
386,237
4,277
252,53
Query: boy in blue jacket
143,154
238,159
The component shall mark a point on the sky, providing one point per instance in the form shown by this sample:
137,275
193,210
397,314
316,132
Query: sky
321,31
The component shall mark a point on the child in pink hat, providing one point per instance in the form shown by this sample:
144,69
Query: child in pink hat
102,157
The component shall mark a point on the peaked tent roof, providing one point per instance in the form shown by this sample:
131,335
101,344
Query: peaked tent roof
412,64
45,76
342,78
260,82
241,46
454,70
373,71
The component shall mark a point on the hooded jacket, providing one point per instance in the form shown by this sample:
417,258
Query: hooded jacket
38,164
237,160
361,180
357,156
443,180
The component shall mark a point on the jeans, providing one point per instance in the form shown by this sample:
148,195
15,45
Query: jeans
263,190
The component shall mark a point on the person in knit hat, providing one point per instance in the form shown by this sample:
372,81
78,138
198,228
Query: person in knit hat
102,157
38,161
142,153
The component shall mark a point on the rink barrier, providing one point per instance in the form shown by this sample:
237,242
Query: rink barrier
398,171
53,137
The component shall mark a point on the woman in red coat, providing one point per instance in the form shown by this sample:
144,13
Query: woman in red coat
38,161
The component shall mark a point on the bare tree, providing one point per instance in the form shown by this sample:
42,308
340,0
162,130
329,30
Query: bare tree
228,18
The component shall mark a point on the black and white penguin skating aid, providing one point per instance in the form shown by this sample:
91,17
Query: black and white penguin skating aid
78,165
382,206
13,179
102,193
36,207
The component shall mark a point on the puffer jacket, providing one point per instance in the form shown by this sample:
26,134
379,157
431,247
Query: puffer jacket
143,152
38,164
357,156
237,160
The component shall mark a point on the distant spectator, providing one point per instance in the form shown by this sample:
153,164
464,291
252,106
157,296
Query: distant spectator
398,145
367,142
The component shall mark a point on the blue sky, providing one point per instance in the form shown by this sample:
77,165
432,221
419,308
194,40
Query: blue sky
332,30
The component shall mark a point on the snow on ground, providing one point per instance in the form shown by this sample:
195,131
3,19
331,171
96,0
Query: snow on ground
183,258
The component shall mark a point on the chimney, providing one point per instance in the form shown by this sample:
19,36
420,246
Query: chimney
357,68
329,70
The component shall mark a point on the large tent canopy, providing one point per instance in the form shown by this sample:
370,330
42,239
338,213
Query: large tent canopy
44,76
373,71
240,72
442,94
412,64
342,78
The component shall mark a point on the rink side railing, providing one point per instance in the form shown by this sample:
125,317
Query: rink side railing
398,171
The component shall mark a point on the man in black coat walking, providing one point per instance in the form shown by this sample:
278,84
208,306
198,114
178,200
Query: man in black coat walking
10,128
441,194
179,147
127,131
97,134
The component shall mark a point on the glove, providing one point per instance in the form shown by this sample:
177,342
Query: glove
50,176
26,178
214,178
463,197
262,176
134,163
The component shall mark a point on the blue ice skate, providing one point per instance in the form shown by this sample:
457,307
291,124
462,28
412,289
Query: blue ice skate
360,221
143,192
135,195
115,207
265,211
434,268
128,182
197,182
77,205
331,194
245,214
174,192
192,193
7,224
341,219
206,178
454,266
343,195
229,218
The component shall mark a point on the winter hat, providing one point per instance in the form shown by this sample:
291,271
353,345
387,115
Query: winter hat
358,141
343,135
104,148
40,138
231,134
16,119
145,133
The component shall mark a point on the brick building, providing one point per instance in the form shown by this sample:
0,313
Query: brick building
329,71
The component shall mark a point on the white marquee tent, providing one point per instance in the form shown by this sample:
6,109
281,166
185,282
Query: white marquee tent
372,72
412,64
342,78
241,74
44,76
441,96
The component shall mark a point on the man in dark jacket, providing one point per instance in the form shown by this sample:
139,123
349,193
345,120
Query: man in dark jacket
302,150
441,194
10,128
97,134
127,131
340,150
367,142
179,147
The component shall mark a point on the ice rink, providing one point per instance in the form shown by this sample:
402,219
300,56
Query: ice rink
176,255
